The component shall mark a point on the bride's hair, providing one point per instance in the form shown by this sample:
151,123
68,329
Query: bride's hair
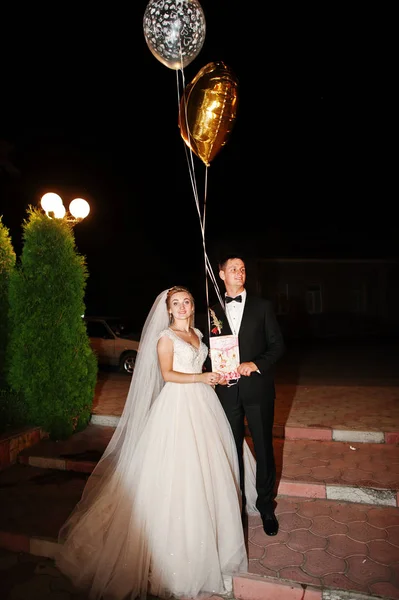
174,290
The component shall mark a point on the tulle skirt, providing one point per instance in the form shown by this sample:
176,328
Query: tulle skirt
170,523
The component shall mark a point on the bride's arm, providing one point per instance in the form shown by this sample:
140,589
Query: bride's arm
165,358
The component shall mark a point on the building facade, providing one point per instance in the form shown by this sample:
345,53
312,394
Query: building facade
332,297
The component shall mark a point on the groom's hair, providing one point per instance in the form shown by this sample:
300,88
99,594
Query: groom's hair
224,260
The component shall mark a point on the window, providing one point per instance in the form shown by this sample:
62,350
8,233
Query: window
314,300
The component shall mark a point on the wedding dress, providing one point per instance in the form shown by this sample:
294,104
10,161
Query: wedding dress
168,522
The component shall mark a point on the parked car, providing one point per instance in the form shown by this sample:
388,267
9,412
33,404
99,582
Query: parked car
111,347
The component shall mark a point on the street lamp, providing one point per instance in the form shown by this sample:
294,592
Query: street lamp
52,203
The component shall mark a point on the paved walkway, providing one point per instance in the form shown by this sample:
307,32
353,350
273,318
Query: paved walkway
337,455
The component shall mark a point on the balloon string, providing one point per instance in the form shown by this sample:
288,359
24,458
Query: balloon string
182,103
189,156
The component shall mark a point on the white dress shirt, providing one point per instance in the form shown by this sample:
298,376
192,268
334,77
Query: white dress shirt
234,312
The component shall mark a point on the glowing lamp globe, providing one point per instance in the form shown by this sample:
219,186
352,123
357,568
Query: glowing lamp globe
50,202
79,208
59,211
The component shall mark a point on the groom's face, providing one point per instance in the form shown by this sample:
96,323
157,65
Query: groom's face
234,274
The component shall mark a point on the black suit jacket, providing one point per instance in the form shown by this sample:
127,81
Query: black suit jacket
260,341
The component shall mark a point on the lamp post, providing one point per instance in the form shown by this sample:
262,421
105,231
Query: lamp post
53,206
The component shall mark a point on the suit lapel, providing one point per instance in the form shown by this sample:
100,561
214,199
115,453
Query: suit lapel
246,315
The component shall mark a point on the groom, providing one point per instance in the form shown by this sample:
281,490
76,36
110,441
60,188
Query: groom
252,395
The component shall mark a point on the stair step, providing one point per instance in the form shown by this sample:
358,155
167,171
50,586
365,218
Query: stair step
356,472
293,432
365,473
321,543
35,502
337,506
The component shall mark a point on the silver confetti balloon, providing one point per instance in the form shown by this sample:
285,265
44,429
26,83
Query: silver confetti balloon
174,31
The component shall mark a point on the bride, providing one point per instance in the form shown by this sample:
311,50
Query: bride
161,512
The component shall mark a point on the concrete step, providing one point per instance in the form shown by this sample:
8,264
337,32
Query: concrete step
354,472
354,410
295,432
322,544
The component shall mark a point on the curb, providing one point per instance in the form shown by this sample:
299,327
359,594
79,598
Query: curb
377,497
253,587
59,464
357,495
300,433
325,434
112,421
13,443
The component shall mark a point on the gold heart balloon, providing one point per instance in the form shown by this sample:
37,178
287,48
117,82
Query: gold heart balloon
208,109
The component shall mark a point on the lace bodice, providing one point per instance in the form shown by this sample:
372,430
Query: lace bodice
186,358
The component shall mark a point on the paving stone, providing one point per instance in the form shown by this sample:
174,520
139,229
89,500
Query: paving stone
346,546
341,595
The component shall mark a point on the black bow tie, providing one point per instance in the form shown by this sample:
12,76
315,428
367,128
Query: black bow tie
236,299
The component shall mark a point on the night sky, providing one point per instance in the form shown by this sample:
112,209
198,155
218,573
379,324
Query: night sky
88,111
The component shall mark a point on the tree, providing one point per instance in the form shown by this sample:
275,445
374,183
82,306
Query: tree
49,355
7,264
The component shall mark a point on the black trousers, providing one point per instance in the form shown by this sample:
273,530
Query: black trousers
260,417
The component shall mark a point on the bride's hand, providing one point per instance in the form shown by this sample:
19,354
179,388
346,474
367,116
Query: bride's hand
210,378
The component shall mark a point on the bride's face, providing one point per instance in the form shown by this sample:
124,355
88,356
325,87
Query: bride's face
181,306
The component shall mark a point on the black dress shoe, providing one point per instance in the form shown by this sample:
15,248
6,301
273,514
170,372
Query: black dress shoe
270,523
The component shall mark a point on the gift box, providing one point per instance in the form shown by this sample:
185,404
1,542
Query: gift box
225,356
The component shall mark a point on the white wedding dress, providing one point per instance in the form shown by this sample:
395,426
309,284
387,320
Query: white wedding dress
171,523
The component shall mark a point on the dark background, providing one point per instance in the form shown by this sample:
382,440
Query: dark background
88,111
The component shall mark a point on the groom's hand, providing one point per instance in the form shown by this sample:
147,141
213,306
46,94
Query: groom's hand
246,368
